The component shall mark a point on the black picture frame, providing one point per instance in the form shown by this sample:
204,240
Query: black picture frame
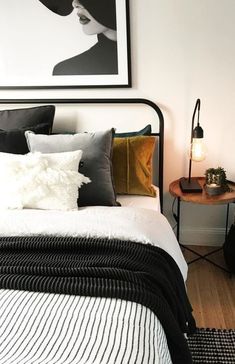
32,47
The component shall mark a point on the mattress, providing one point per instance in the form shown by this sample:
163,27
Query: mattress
56,328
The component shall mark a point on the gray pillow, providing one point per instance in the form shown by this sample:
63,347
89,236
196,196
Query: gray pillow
95,163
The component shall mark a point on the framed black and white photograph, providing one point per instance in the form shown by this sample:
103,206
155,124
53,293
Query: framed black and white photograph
64,44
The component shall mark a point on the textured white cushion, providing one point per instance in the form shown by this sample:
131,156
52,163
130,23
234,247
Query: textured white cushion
41,181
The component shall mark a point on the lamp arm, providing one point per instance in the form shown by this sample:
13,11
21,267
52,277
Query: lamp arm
197,107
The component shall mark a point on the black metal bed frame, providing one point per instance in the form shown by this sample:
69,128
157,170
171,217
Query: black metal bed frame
159,134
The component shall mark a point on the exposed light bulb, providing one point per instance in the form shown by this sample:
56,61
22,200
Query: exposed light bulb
198,150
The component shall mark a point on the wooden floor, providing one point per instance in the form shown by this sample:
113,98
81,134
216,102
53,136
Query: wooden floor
211,291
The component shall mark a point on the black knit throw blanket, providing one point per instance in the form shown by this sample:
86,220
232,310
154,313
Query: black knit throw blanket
106,268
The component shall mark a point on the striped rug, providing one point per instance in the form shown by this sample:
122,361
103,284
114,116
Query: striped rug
213,346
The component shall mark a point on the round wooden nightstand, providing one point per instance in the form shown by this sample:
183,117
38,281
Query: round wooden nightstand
204,199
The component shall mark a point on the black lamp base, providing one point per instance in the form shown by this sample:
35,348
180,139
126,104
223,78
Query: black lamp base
192,186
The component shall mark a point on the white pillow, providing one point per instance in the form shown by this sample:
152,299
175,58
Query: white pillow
40,181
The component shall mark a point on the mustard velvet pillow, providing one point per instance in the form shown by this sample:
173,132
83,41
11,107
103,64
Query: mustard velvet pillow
132,165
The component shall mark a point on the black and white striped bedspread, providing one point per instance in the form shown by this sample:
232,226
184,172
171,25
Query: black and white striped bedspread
42,328
67,268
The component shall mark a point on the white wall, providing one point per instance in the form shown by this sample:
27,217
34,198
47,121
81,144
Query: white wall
181,50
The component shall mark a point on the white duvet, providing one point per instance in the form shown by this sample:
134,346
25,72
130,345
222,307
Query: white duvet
136,224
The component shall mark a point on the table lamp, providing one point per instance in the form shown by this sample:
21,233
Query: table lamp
197,153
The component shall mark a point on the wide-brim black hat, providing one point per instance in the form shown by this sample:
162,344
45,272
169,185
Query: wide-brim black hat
104,11
61,7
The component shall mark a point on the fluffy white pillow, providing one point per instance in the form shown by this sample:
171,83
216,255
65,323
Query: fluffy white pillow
40,181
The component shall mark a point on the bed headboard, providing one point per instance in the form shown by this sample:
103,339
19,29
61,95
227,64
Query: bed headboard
120,101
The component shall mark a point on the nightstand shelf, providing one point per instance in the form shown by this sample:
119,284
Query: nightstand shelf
204,199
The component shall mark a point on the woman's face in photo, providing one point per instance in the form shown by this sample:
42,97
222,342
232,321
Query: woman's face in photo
89,24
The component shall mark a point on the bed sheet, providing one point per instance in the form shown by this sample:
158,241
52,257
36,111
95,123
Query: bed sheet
147,202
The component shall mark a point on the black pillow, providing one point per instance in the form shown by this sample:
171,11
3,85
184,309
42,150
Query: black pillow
14,141
26,118
147,130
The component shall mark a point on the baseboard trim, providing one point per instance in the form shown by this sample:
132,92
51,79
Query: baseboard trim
205,236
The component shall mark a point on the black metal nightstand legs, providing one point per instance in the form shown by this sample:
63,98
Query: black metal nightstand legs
178,219
227,215
199,256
